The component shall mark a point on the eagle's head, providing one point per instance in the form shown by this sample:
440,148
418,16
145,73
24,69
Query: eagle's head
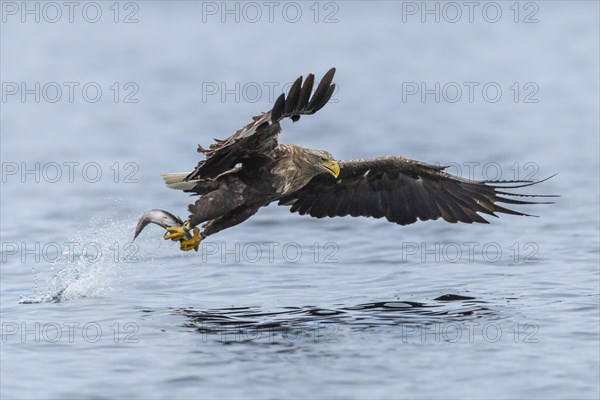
321,162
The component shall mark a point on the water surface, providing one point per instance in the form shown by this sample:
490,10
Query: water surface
284,305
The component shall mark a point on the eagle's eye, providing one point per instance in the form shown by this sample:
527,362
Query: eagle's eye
322,159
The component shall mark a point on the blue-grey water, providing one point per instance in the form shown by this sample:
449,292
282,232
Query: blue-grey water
284,305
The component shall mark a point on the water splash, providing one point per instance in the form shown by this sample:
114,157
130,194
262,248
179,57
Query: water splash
90,264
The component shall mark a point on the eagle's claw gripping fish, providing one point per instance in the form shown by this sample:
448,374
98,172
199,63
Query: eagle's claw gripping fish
161,218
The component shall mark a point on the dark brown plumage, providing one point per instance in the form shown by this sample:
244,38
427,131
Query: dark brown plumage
402,191
251,169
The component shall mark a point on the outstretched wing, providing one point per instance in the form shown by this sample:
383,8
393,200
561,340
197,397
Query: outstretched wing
402,191
259,138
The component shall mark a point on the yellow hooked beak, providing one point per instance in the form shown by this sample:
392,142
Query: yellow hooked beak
332,167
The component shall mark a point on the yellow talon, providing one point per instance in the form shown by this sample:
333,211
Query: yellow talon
178,233
193,243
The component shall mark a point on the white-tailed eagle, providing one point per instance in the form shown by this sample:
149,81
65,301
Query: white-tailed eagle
251,169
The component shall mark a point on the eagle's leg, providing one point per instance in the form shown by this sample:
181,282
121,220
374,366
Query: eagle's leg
211,206
216,204
235,217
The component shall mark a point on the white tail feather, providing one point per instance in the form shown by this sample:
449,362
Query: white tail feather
177,181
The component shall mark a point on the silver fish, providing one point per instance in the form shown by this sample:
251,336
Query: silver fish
159,217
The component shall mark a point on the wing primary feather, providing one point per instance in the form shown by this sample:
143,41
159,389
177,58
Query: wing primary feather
524,183
325,99
292,97
321,91
278,107
526,195
305,93
511,212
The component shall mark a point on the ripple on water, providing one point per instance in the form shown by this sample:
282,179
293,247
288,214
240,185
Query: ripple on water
255,321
